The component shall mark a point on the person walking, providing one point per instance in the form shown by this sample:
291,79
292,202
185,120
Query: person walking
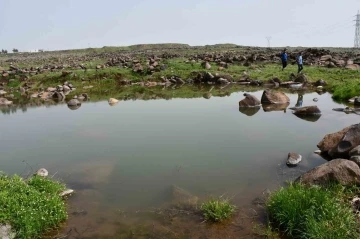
284,58
299,61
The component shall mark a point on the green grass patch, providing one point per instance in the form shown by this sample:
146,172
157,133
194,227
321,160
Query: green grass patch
217,210
31,207
312,212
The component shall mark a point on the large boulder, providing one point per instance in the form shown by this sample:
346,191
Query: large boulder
274,97
250,101
331,140
341,143
341,171
307,110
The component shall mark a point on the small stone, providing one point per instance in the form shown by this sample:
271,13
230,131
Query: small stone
2,92
293,159
66,88
66,193
315,99
51,89
42,172
318,151
6,232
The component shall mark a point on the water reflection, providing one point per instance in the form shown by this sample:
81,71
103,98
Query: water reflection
299,100
275,107
310,118
249,111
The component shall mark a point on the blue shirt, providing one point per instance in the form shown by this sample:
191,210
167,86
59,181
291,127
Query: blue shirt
300,60
284,56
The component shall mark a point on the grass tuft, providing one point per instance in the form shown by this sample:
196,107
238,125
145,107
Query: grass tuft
217,210
31,207
312,212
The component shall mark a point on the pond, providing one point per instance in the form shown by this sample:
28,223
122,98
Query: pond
122,160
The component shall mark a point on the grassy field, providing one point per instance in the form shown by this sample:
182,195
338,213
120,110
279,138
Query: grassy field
343,83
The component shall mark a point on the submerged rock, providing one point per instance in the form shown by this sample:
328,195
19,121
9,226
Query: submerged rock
249,111
42,172
340,171
180,197
249,101
273,97
293,159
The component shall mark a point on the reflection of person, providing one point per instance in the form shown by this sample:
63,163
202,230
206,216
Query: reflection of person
299,101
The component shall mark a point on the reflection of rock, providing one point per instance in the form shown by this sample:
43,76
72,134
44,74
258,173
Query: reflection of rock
179,197
113,101
340,171
74,104
275,107
339,144
207,95
348,110
249,111
273,97
4,101
249,101
310,118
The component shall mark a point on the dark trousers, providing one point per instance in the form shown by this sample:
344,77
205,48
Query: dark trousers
284,64
300,67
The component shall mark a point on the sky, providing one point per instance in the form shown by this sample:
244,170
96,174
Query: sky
74,24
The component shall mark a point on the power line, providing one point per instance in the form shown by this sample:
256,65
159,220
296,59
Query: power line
357,31
268,40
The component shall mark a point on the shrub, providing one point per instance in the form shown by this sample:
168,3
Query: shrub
31,208
312,212
217,210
